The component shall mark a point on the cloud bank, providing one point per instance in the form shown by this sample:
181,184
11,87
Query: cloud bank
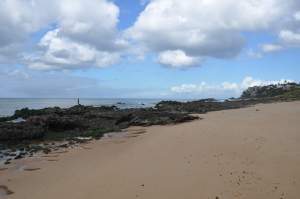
185,32
78,33
81,34
223,90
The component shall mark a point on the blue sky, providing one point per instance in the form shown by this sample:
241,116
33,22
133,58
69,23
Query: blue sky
153,49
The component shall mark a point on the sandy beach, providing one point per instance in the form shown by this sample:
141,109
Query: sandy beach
244,153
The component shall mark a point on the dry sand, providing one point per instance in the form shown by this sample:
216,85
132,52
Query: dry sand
251,153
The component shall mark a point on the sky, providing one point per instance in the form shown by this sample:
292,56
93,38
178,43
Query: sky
146,48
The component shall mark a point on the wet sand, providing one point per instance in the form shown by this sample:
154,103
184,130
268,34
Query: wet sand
244,153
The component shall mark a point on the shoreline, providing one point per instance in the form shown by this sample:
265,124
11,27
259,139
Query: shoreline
27,126
252,153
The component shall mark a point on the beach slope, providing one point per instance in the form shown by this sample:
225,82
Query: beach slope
244,153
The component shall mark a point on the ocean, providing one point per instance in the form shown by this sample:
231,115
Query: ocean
9,105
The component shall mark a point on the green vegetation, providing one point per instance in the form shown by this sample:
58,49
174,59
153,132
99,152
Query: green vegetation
287,91
293,94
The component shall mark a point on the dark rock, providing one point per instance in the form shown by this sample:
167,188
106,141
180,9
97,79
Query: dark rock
81,120
7,162
58,123
5,190
19,156
26,112
6,119
35,148
20,131
125,119
64,145
200,106
46,150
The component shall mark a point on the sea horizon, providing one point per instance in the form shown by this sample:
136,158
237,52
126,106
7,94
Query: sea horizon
9,105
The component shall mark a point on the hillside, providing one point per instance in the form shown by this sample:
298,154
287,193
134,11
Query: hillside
287,91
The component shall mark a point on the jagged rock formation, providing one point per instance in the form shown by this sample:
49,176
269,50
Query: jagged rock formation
81,120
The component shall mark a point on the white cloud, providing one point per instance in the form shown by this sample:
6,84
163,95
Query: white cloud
63,53
254,54
177,59
19,18
229,86
207,28
92,22
250,82
297,16
204,87
267,48
85,32
187,88
225,89
19,74
86,36
197,29
288,33
290,38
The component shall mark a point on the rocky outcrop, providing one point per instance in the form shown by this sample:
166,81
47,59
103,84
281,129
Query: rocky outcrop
200,106
88,121
141,117
56,123
20,131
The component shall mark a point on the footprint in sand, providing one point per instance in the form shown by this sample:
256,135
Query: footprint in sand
119,141
52,160
31,169
260,141
132,136
87,148
244,178
4,191
50,156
